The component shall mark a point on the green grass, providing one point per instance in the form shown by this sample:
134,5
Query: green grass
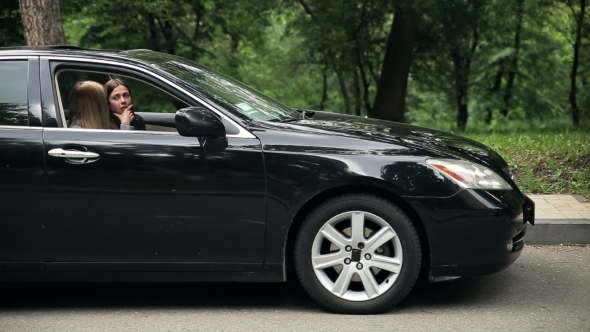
547,156
545,162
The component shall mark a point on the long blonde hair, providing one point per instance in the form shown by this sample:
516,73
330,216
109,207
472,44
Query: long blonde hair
89,106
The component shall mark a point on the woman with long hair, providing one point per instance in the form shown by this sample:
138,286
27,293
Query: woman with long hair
120,101
87,107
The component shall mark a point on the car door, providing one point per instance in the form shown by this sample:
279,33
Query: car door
22,175
150,200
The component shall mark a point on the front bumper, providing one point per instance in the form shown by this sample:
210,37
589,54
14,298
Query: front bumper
474,232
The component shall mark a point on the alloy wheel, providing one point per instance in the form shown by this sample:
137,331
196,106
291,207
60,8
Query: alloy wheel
357,256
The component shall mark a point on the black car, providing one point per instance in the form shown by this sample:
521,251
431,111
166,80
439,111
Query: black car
227,184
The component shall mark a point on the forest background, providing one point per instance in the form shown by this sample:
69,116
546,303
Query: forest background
513,74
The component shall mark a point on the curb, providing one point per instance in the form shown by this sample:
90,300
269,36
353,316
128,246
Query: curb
559,231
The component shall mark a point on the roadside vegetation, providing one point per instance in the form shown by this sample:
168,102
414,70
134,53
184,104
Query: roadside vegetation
545,161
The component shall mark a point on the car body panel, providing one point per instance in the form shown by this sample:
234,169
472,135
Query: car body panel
468,233
22,184
419,141
22,193
154,197
304,162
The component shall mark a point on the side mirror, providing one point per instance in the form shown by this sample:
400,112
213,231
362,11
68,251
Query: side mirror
199,122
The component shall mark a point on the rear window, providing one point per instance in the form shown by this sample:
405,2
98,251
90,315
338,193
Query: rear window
14,108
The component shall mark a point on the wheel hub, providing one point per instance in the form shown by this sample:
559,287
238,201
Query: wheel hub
356,255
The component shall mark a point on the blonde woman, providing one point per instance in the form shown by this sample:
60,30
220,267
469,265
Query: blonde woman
89,109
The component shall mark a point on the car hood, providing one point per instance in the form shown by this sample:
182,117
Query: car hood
438,142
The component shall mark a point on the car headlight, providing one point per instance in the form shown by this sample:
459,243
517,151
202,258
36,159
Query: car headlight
469,175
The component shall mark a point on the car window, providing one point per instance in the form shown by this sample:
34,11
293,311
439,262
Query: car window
66,81
68,78
146,97
14,110
227,91
149,99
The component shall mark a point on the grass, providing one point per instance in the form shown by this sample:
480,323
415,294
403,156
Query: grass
545,162
547,156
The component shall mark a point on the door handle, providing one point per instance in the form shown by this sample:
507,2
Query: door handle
61,153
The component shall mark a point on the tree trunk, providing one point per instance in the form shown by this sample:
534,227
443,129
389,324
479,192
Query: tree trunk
365,89
390,101
373,73
234,60
461,88
170,38
356,89
462,68
167,32
344,92
575,64
514,61
324,87
154,44
199,11
494,91
42,22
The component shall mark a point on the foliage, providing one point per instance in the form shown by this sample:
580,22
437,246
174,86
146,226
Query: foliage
11,25
505,64
545,163
328,54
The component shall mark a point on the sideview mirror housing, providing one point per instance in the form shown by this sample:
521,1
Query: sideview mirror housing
199,122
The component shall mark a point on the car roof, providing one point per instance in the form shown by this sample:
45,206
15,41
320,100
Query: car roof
58,49
144,56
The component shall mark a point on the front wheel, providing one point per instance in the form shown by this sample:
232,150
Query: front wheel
357,254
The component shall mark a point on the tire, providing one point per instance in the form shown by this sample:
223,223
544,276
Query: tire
333,266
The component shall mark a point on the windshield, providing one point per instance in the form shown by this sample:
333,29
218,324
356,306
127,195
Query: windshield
228,91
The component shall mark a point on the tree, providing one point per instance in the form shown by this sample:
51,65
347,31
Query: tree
390,101
513,64
455,29
349,36
452,64
42,22
579,17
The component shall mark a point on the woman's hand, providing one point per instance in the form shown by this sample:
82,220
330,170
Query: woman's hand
127,116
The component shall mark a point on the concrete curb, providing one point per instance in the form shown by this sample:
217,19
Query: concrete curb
558,231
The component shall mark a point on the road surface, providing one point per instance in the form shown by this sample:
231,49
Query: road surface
547,289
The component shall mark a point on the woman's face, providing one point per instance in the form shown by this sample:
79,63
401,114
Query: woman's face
119,99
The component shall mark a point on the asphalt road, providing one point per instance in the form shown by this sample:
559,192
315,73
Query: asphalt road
547,289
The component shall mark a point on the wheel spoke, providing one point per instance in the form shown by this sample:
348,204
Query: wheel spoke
380,238
369,282
358,227
385,263
343,281
325,261
334,236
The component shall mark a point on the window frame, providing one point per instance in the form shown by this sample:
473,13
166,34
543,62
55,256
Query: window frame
34,113
58,91
57,63
58,68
